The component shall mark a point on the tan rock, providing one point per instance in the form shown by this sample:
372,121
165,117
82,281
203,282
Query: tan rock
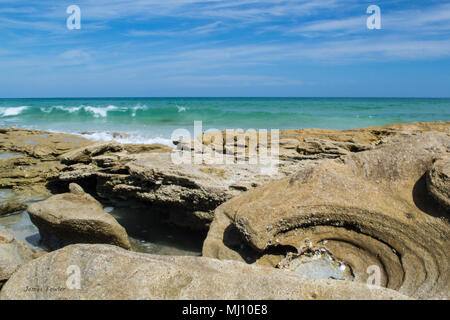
85,154
29,157
438,182
188,194
108,272
11,207
364,209
76,217
39,144
13,254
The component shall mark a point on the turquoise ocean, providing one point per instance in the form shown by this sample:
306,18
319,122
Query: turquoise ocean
152,120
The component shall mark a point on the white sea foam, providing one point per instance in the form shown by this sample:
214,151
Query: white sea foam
99,111
136,108
69,109
181,108
62,108
12,111
126,138
96,111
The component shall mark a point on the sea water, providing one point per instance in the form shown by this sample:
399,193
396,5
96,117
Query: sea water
152,120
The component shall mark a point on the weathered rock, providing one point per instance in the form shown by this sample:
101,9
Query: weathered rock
305,144
438,182
39,144
28,161
365,209
84,155
108,272
76,217
11,207
13,254
188,194
29,157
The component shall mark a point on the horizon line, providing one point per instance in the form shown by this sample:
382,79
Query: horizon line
230,97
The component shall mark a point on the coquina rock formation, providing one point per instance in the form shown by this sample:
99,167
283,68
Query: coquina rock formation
30,157
28,161
188,194
360,206
109,272
438,182
13,254
371,209
76,217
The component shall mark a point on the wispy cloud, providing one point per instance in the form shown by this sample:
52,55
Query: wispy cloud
435,19
215,43
75,57
233,80
200,30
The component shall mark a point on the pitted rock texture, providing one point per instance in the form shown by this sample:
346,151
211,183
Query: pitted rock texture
76,217
28,161
367,209
13,254
108,272
438,182
188,194
31,156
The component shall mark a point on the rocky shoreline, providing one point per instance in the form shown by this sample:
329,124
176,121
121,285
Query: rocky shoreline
341,202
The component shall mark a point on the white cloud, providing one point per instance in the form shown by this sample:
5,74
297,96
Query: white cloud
200,30
233,81
75,57
436,18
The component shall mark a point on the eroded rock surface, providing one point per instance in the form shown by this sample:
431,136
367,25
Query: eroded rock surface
108,272
347,201
366,210
438,182
188,194
29,157
11,207
76,217
13,254
28,161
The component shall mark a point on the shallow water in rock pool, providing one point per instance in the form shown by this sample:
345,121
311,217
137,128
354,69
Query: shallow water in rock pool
22,228
146,232
8,155
149,234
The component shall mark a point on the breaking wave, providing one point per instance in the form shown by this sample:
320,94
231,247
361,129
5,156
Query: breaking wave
126,138
12,111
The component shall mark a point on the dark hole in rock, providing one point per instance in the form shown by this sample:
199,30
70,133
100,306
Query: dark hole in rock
150,233
89,185
281,250
425,202
234,240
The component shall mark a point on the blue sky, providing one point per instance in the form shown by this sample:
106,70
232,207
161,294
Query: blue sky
224,48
